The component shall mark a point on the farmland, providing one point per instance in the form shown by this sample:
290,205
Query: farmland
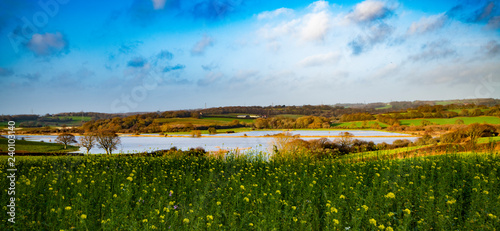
467,120
39,147
247,193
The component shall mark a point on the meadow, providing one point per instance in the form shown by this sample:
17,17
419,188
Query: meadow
38,147
103,192
467,120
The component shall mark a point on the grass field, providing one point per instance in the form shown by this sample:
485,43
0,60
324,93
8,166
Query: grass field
32,146
446,192
467,120
388,106
358,124
206,121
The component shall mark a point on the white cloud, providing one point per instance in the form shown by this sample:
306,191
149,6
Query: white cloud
47,44
200,47
318,6
274,13
319,60
369,10
427,24
315,26
159,4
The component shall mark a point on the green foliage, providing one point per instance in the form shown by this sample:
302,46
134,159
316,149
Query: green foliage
36,147
242,193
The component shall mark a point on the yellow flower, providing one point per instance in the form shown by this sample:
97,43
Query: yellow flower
450,202
381,227
251,224
342,197
278,191
365,207
294,219
390,195
492,216
145,220
333,210
68,208
185,220
390,214
373,222
485,192
242,187
389,229
115,195
294,208
83,216
407,211
336,222
218,203
210,217
246,199
130,178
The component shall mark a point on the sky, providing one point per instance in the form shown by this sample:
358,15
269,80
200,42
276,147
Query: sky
157,55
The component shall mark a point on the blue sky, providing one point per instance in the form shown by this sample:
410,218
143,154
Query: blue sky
149,55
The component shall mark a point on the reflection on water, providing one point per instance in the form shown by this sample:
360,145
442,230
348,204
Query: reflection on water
255,140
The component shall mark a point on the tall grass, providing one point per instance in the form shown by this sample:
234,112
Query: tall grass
446,192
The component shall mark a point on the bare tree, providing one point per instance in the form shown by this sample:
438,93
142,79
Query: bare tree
88,141
108,140
65,138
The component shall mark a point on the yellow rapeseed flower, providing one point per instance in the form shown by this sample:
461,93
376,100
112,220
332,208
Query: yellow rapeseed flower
389,229
185,220
407,211
210,217
365,207
130,178
83,216
373,222
390,195
68,208
336,222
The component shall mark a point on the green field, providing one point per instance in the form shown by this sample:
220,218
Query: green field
293,116
467,120
388,106
103,192
358,124
39,147
206,121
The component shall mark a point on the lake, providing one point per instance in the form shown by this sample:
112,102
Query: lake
252,140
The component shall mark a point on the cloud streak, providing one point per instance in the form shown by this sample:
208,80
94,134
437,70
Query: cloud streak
48,44
200,47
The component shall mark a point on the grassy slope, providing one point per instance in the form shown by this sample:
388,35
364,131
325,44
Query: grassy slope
358,124
467,120
32,146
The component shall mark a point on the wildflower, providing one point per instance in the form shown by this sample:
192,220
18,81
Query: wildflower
246,199
365,207
333,210
83,216
242,187
294,208
407,211
218,203
130,179
294,219
278,191
390,195
485,192
342,197
185,220
450,202
390,214
68,208
335,222
373,222
251,224
381,227
492,216
145,220
389,229
210,217
114,195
